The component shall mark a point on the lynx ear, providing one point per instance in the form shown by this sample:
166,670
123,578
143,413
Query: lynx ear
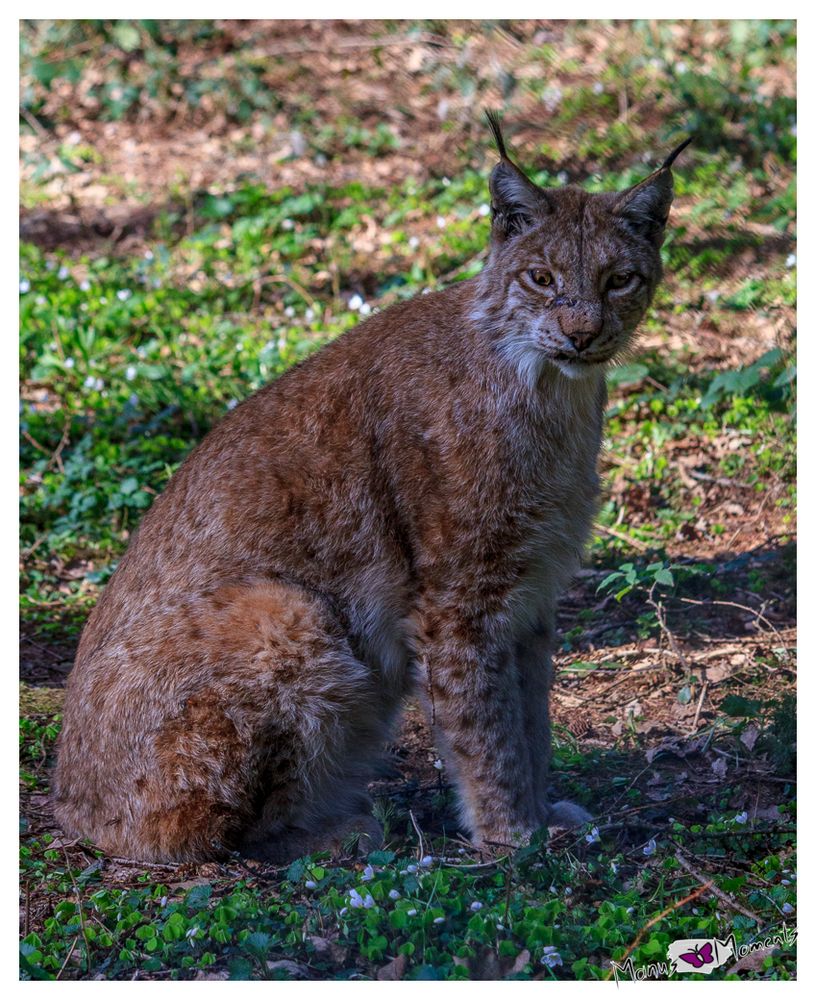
645,207
515,201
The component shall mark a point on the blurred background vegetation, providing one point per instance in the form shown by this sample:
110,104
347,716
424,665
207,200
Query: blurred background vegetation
203,203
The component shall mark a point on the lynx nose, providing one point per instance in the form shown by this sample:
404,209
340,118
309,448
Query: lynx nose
581,339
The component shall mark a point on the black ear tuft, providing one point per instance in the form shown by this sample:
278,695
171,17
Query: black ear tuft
495,127
676,152
515,200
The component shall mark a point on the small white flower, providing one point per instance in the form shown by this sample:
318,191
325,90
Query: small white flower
613,867
84,285
441,221
355,301
790,260
593,836
713,295
89,382
438,764
355,899
344,911
63,273
411,868
413,242
148,255
393,894
411,913
368,901
239,346
282,342
476,905
368,873
446,182
163,901
50,265
123,294
310,884
553,889
289,311
69,362
741,817
650,848
787,908
681,67
785,881
40,300
309,314
231,404
597,87
425,291
365,309
562,177
130,373
499,927
630,909
439,920
427,861
568,891
25,286
103,300
99,385
484,209
191,932
133,399
550,957
552,97
287,224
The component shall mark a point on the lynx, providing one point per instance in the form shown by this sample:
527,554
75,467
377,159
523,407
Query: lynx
396,515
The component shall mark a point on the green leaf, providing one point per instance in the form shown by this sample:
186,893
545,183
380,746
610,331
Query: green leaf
741,708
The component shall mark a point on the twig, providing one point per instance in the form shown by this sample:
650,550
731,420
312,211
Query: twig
709,884
35,125
283,279
664,913
759,615
352,44
79,909
418,833
68,956
699,706
634,542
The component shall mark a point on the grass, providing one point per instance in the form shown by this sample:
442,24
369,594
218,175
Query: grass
133,346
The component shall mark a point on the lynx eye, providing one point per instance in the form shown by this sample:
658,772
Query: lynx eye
541,277
620,279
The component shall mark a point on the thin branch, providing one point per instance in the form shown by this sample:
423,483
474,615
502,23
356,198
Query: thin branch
708,884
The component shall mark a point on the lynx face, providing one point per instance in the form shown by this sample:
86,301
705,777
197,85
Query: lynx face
570,274
580,283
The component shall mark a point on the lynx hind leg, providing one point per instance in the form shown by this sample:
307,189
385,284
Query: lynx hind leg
273,738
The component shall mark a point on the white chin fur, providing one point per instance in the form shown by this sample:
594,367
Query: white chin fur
575,369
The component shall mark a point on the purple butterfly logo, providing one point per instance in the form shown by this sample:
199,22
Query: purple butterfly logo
700,956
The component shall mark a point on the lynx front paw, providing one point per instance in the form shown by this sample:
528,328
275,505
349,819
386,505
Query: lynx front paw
566,815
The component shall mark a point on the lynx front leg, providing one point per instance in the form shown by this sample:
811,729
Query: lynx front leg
534,660
476,707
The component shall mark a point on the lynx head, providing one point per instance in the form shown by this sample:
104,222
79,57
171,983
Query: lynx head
570,274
